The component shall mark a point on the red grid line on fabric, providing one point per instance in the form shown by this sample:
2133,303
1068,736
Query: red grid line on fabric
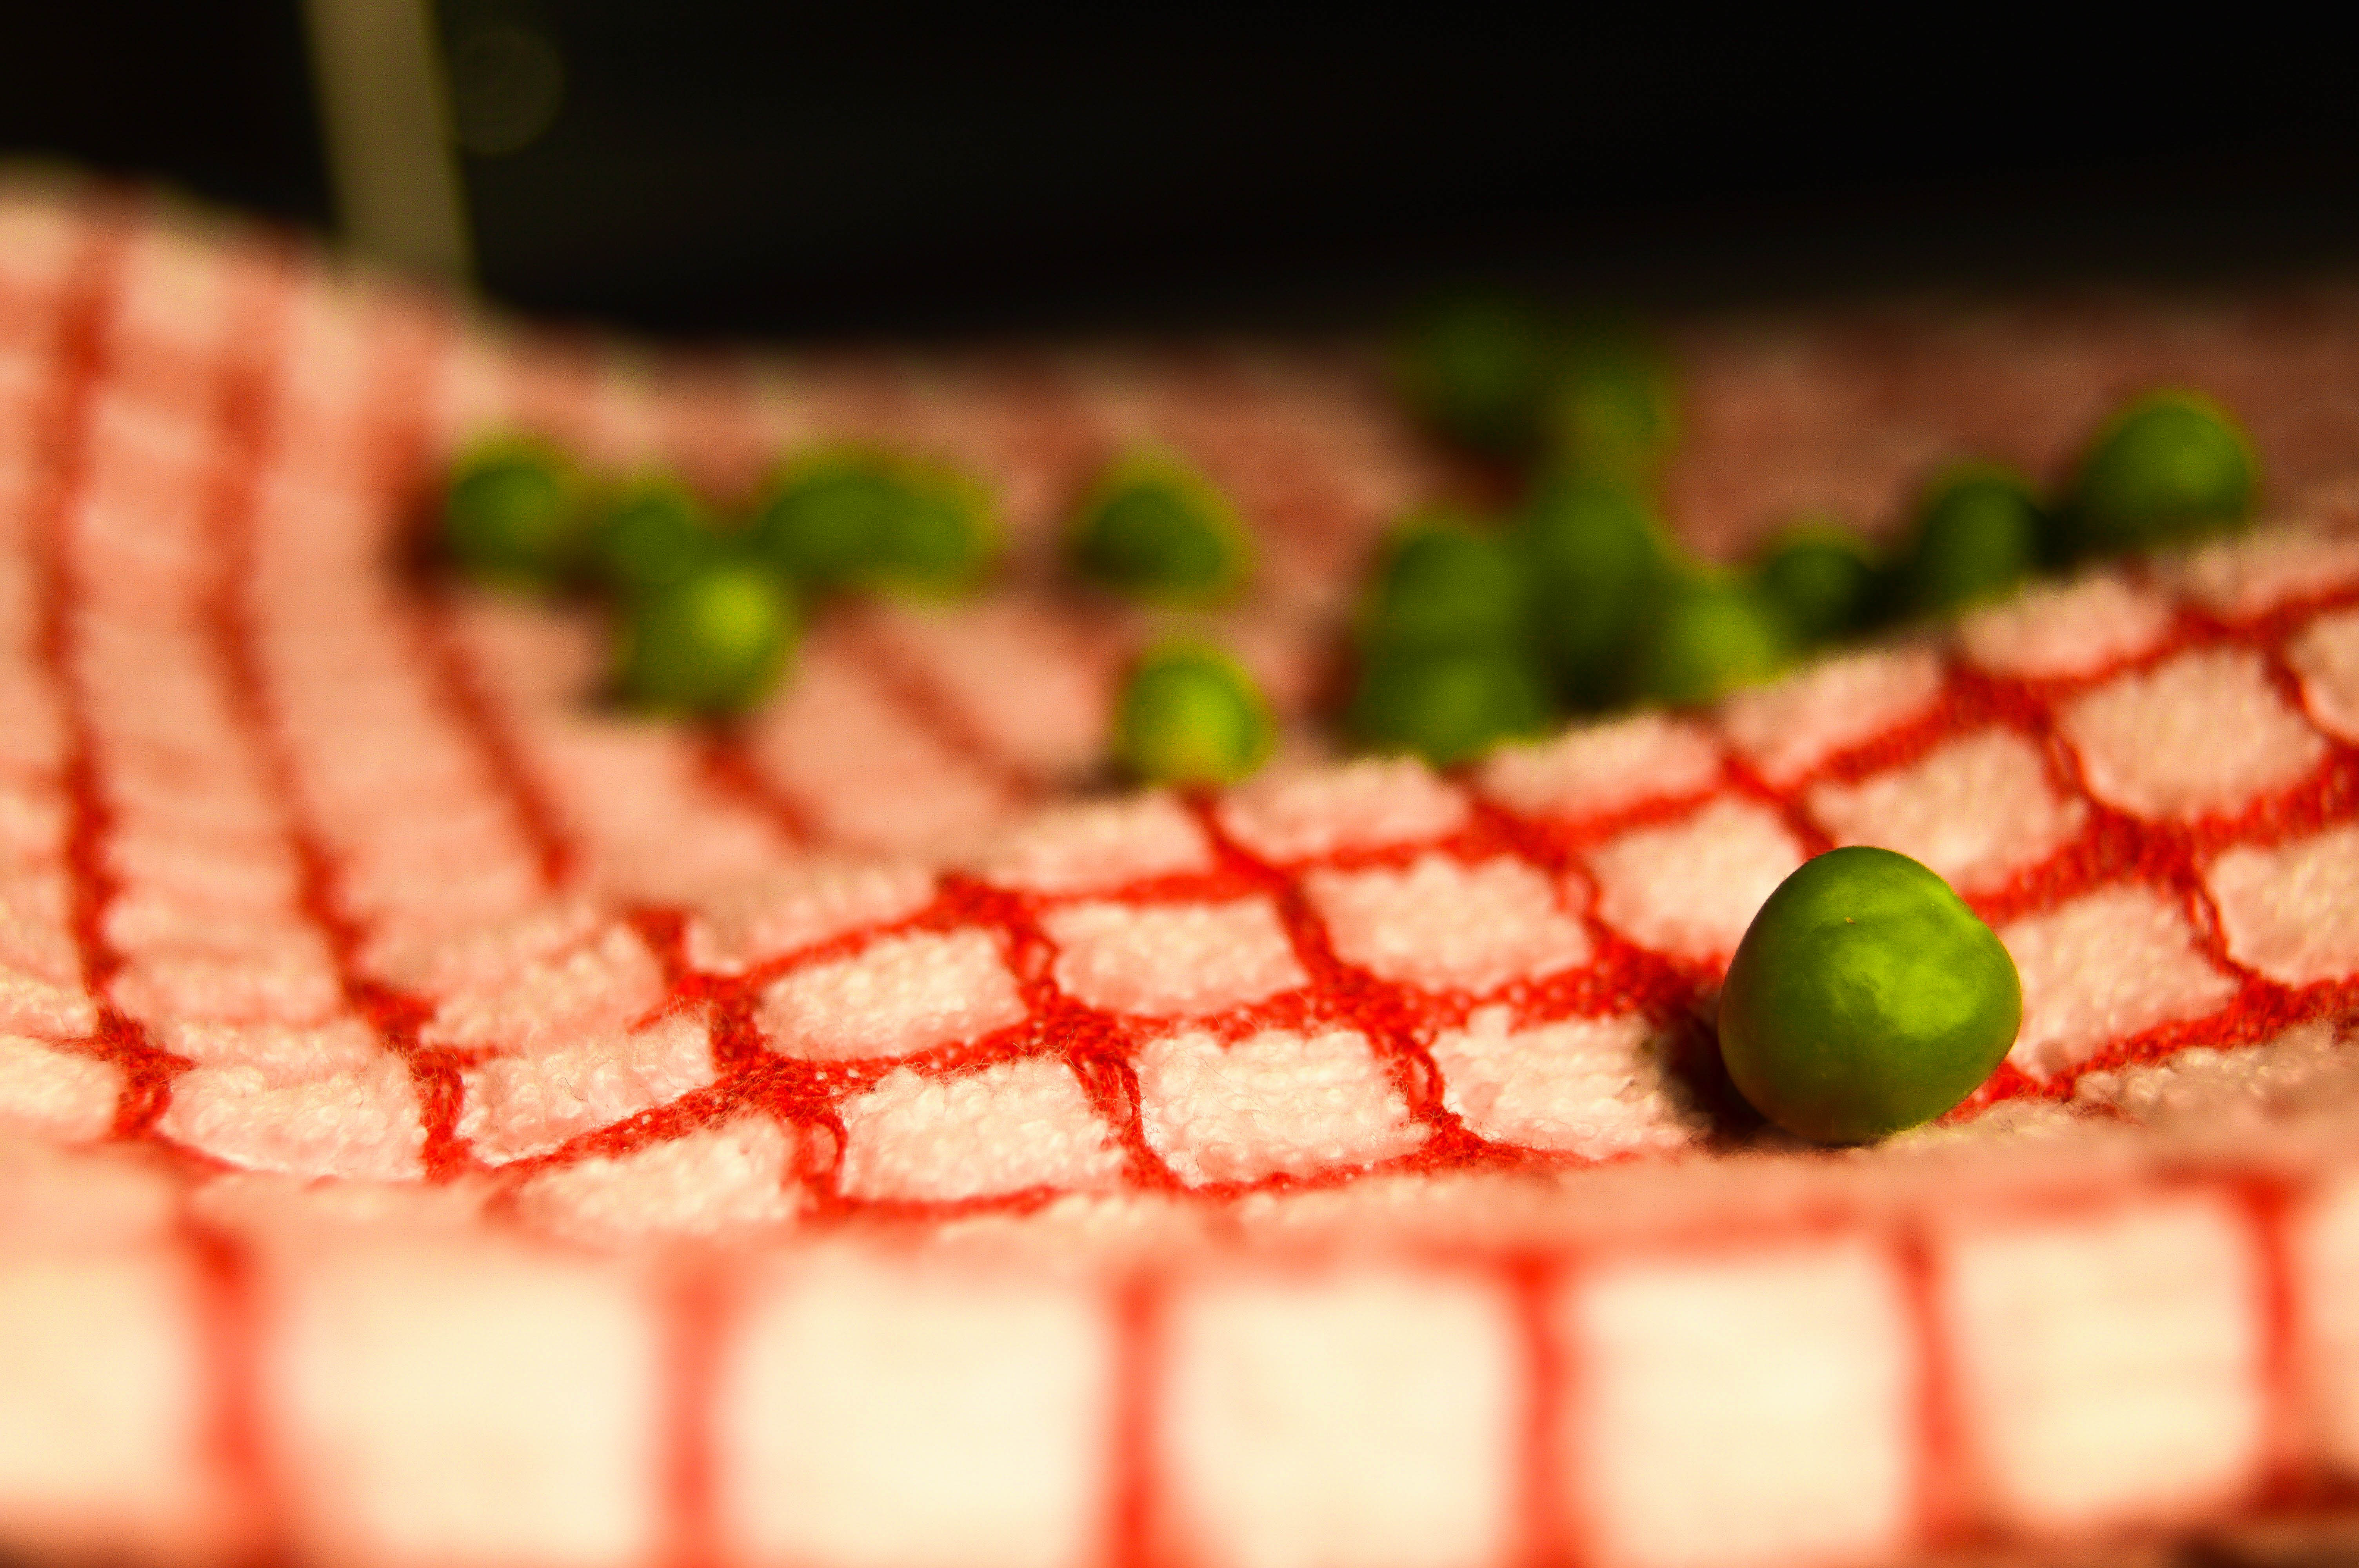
78,350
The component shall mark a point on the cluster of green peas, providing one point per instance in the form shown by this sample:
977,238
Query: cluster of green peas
706,606
1866,997
1476,629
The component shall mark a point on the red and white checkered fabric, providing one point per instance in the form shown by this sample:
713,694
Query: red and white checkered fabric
442,1122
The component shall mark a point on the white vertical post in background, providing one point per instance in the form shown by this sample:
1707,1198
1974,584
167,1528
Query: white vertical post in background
390,150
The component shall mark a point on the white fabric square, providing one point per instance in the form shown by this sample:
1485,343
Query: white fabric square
1289,814
1095,846
719,1181
442,1400
35,935
598,988
882,1415
1006,1128
1277,1103
1355,1420
2253,573
2103,968
2202,733
2322,1253
1593,769
1747,1409
59,1095
896,997
283,1054
812,901
1787,729
2292,911
1975,810
107,1437
1444,925
1036,695
362,1125
2056,631
45,1009
2109,1367
296,984
1689,890
443,961
518,1106
864,770
2325,655
1172,960
1592,1087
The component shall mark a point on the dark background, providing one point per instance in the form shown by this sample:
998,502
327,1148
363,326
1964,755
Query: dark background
866,168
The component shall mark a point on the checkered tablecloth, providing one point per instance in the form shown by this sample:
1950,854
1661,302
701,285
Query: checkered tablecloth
445,1122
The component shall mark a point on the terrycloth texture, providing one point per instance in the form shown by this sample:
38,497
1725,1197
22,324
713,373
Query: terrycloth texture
451,1124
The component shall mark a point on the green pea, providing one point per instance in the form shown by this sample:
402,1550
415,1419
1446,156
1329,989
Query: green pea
2171,466
1823,578
1709,635
512,513
651,534
1448,705
1157,530
1192,715
1864,999
1594,557
1442,584
1613,409
854,517
1480,368
712,644
1979,534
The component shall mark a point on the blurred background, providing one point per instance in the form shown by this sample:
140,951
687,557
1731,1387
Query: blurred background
701,169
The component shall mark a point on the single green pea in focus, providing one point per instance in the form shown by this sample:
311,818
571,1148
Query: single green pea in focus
650,535
1482,368
1448,705
1443,583
1613,409
1595,559
712,643
2172,466
1978,532
512,514
1189,714
856,517
1157,530
1865,997
1709,634
1823,577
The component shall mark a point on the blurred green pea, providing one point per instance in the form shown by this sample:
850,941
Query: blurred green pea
1595,559
1189,714
2172,466
1979,532
1157,530
650,533
513,512
1613,410
1709,634
1443,583
1480,368
1447,705
858,518
1823,578
714,643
